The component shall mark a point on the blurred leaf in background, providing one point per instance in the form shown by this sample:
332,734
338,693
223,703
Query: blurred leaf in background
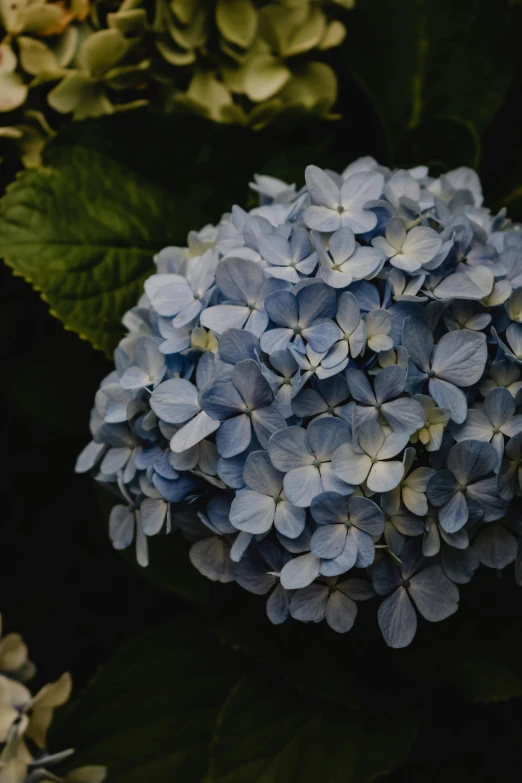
421,61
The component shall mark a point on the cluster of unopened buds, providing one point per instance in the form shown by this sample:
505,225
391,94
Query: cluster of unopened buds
322,393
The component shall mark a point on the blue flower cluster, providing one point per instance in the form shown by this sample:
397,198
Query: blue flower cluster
330,382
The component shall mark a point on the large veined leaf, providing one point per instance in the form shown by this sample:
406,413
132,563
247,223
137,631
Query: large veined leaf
263,737
150,712
83,229
420,60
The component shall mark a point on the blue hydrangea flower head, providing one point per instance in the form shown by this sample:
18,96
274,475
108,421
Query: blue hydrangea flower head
323,395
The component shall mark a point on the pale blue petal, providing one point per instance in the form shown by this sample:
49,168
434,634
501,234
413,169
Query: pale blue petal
252,512
385,576
206,371
309,604
89,456
234,436
322,334
267,421
134,378
302,485
300,572
366,515
417,339
397,619
389,383
308,403
322,219
260,475
239,279
200,427
288,449
325,436
331,482
434,595
236,345
152,515
476,427
404,415
384,476
316,301
175,401
256,322
365,547
351,466
282,308
330,508
340,612
276,340
121,527
341,244
453,515
240,546
174,491
284,363
459,565
321,187
471,460
484,494
251,384
343,562
371,437
211,557
499,406
446,395
278,606
220,400
360,388
495,546
218,513
224,316
328,541
460,357
115,460
289,520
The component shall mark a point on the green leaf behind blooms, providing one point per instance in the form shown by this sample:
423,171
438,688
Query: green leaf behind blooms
174,705
420,61
266,737
83,230
151,710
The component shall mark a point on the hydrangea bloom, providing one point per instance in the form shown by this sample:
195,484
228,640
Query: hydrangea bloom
25,719
322,394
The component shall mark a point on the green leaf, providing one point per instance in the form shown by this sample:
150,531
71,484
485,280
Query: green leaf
267,737
83,231
84,228
486,680
419,60
150,712
440,144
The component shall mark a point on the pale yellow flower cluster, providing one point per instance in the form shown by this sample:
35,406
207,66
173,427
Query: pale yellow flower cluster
25,719
232,61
